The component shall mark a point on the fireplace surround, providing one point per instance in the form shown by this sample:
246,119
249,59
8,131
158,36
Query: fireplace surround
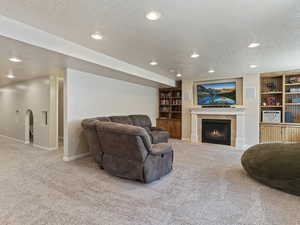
235,114
216,131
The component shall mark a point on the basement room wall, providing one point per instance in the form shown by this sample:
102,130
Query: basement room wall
88,95
15,100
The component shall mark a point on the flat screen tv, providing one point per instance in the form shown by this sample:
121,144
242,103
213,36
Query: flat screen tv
216,93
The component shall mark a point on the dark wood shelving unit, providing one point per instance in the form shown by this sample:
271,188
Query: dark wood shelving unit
170,108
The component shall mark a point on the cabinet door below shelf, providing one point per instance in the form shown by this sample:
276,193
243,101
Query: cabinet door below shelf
175,128
292,134
271,133
163,123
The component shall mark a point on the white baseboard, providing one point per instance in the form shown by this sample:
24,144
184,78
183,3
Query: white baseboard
13,139
185,139
44,148
74,157
26,142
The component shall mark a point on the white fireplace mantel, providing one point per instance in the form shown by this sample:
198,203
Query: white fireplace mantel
238,111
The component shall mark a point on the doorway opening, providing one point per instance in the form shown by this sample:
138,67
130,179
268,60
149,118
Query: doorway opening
60,113
29,127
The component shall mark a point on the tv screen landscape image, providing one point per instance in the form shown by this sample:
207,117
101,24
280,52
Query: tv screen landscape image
217,93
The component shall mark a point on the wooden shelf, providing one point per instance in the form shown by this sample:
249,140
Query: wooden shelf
292,84
271,92
292,93
292,103
271,106
278,124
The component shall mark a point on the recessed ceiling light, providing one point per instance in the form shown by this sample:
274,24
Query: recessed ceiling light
253,45
179,75
253,66
97,36
153,63
153,16
15,59
211,71
195,55
10,76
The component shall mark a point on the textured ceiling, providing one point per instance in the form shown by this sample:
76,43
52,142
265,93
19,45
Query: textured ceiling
219,31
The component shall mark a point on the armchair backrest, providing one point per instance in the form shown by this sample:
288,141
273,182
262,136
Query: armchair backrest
141,121
90,131
121,119
124,141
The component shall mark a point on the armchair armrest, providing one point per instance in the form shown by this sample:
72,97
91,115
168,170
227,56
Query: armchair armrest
162,148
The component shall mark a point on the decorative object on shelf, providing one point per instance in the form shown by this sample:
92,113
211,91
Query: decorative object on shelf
293,79
289,117
271,86
295,100
271,100
294,90
271,116
264,104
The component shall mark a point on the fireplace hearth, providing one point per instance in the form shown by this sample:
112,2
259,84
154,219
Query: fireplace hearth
216,131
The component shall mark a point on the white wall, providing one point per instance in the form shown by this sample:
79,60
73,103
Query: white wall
252,108
34,95
89,95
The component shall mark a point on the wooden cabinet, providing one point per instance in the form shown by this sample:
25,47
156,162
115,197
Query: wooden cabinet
279,133
171,125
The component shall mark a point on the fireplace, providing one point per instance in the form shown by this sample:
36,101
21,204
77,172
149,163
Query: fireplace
216,131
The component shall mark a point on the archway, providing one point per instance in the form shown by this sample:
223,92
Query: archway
29,127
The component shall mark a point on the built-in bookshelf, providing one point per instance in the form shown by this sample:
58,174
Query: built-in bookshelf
170,103
281,92
170,106
280,97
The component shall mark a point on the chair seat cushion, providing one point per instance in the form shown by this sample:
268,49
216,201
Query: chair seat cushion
276,165
159,136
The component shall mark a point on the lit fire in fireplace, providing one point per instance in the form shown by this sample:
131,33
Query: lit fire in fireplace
215,133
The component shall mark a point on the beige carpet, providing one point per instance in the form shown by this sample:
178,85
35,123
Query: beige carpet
207,187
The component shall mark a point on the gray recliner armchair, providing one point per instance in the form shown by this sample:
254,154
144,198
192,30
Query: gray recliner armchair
157,135
128,152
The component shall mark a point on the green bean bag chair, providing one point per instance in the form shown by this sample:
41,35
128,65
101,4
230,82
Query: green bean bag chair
276,165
